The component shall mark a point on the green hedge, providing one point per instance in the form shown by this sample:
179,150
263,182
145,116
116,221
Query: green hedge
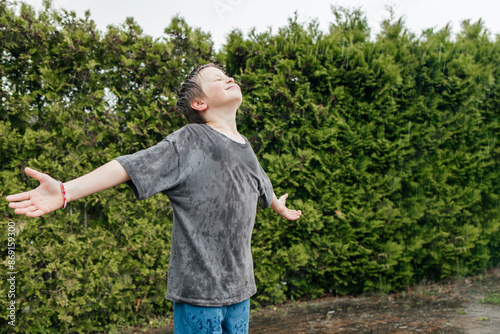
389,147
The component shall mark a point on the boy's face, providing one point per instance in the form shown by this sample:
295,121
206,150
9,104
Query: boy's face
220,90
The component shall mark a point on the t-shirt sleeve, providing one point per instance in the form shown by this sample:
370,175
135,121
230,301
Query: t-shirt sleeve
152,170
265,190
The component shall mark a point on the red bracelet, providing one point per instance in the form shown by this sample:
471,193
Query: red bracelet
63,191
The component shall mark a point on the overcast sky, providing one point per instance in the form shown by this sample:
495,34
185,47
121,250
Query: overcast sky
219,17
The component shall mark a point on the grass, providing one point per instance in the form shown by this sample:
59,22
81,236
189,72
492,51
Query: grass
493,295
491,298
145,326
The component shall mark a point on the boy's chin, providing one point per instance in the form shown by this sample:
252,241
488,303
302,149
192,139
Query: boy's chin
237,102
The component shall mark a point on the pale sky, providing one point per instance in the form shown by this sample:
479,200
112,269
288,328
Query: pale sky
219,17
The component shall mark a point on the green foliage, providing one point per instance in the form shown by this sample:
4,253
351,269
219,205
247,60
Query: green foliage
389,147
74,98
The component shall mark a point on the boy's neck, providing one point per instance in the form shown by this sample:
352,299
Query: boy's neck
227,128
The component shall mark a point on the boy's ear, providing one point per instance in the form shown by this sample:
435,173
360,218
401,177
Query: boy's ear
199,105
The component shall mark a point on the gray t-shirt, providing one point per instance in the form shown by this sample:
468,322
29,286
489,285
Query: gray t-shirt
213,184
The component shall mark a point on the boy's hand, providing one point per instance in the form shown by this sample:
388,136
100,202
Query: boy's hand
279,205
46,198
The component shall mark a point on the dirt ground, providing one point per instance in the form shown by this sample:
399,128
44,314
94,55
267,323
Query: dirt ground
455,307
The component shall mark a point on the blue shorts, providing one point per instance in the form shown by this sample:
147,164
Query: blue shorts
231,319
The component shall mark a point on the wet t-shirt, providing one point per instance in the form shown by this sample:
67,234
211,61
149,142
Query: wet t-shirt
214,184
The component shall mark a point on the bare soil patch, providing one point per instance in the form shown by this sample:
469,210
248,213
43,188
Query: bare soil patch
454,307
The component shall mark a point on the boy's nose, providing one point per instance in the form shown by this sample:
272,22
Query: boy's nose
229,79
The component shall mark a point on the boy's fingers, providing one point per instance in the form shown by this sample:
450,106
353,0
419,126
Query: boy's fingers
18,197
36,213
20,205
34,174
23,211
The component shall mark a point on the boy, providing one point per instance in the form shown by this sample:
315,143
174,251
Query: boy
213,180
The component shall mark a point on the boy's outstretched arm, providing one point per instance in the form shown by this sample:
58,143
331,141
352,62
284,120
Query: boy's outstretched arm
279,205
47,197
